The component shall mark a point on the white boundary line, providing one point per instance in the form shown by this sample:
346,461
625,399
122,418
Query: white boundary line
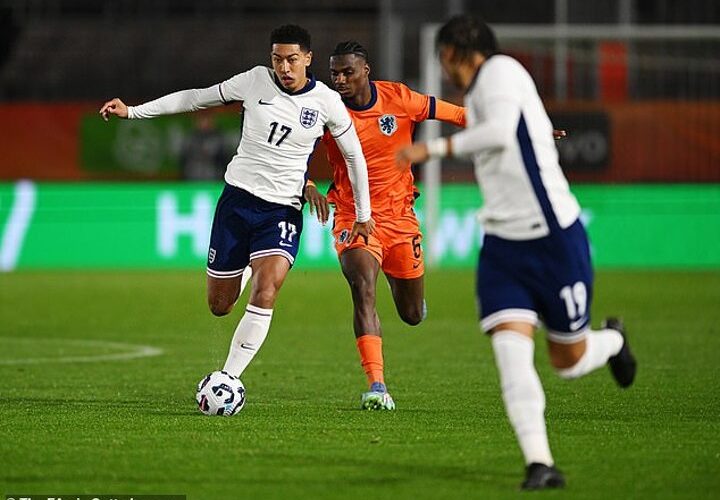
133,351
18,222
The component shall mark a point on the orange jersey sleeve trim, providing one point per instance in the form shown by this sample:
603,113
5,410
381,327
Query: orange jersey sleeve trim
418,106
447,112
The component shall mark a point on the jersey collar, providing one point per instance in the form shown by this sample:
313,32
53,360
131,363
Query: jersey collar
373,100
307,88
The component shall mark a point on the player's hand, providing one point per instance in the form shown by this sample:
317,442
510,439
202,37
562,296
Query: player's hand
559,134
363,229
114,107
416,153
318,203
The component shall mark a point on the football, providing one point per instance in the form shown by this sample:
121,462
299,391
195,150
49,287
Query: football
219,393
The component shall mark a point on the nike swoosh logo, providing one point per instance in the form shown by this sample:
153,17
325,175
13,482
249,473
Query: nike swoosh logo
263,103
285,245
416,265
247,346
574,325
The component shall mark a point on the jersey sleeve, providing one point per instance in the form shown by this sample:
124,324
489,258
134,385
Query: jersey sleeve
349,145
447,112
423,107
236,88
177,102
341,128
417,106
183,101
338,121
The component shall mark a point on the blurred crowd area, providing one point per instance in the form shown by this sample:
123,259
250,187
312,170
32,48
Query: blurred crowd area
89,49
640,105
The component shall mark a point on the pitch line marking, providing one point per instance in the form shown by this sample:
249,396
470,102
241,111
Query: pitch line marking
132,351
21,213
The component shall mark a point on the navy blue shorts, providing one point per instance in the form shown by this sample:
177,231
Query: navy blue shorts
246,227
547,279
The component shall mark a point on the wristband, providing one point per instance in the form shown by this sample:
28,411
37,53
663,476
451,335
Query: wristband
438,148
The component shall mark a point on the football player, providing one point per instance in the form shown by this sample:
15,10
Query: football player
535,259
258,218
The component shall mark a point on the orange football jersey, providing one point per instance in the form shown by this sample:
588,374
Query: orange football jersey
384,125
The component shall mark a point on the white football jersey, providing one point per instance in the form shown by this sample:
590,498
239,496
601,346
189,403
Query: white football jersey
279,133
510,138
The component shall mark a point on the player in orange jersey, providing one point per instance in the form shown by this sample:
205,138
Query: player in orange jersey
385,115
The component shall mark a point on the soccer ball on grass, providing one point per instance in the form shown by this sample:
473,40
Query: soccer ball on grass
219,393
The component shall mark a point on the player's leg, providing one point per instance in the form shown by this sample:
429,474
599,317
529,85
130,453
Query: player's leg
267,278
508,314
596,348
228,258
222,293
361,269
273,245
360,266
524,400
404,268
409,297
575,349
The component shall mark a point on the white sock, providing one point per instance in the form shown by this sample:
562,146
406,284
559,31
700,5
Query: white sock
599,347
522,393
246,275
249,336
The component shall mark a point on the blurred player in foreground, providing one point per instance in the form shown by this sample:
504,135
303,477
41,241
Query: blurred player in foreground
258,219
535,260
385,116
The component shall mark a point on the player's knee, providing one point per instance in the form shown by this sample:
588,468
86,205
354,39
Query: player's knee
412,316
264,297
220,306
363,289
567,365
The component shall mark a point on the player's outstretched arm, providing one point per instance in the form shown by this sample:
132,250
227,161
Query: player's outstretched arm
450,113
177,102
317,201
420,152
113,107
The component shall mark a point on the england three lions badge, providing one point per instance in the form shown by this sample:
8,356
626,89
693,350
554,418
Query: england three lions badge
388,124
308,117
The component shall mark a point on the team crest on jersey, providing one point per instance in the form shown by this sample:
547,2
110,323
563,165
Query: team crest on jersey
344,234
308,117
388,124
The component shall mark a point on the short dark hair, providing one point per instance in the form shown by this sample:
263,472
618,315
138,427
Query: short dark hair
293,34
467,34
350,47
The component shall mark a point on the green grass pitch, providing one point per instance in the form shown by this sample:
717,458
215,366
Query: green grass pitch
131,426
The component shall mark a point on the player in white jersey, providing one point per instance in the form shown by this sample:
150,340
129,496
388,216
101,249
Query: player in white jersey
258,219
535,261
